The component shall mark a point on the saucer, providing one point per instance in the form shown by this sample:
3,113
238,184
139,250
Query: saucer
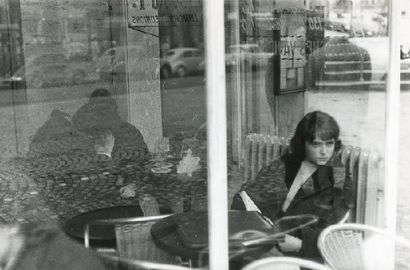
163,165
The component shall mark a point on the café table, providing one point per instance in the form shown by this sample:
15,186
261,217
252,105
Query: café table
179,192
102,235
171,190
168,234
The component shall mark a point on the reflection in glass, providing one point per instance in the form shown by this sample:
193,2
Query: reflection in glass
66,152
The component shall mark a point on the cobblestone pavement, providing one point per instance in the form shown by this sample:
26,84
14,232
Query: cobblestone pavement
51,189
54,197
55,192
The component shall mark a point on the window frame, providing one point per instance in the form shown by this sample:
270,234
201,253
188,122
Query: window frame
216,91
214,31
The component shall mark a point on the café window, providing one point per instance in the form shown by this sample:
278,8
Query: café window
113,113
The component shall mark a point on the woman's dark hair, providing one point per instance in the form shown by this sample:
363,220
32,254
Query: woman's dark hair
315,124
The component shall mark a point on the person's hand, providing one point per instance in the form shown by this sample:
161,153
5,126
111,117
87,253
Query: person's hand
128,191
104,144
291,244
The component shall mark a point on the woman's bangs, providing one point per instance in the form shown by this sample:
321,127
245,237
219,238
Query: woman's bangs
326,134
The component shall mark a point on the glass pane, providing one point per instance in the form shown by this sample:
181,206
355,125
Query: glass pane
103,112
285,61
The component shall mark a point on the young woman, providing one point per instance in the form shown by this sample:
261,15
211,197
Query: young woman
308,179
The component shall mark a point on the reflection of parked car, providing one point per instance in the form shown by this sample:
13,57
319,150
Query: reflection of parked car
249,53
52,68
112,63
339,63
378,48
181,61
405,64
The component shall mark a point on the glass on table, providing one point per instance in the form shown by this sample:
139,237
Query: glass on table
161,149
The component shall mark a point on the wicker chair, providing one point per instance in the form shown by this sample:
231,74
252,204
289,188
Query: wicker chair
358,247
284,263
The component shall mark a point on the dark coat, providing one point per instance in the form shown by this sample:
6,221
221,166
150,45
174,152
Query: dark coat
101,114
331,198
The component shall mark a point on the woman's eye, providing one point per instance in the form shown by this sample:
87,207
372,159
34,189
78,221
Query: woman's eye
330,143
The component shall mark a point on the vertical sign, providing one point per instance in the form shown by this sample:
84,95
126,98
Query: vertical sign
292,44
276,59
315,39
315,29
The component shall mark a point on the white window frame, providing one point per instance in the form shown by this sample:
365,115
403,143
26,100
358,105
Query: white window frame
214,26
217,145
392,125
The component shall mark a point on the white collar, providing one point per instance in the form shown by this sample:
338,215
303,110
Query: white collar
306,170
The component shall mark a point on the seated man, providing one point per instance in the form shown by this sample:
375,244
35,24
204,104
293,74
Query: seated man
101,114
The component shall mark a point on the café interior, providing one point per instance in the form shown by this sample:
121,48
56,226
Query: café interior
133,126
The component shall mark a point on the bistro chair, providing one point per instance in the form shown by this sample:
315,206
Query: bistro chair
284,263
133,239
357,246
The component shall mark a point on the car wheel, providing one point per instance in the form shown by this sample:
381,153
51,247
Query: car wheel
165,72
78,77
181,71
35,80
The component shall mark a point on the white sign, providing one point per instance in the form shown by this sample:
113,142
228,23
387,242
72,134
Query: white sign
153,13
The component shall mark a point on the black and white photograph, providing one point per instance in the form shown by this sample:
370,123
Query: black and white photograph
204,134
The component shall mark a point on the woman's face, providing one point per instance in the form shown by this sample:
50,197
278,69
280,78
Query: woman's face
319,151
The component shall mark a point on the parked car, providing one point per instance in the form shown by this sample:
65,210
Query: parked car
52,68
181,62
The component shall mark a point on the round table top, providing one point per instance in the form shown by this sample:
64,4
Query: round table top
74,227
166,236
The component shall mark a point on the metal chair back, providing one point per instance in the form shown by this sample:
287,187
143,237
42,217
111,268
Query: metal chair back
357,246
